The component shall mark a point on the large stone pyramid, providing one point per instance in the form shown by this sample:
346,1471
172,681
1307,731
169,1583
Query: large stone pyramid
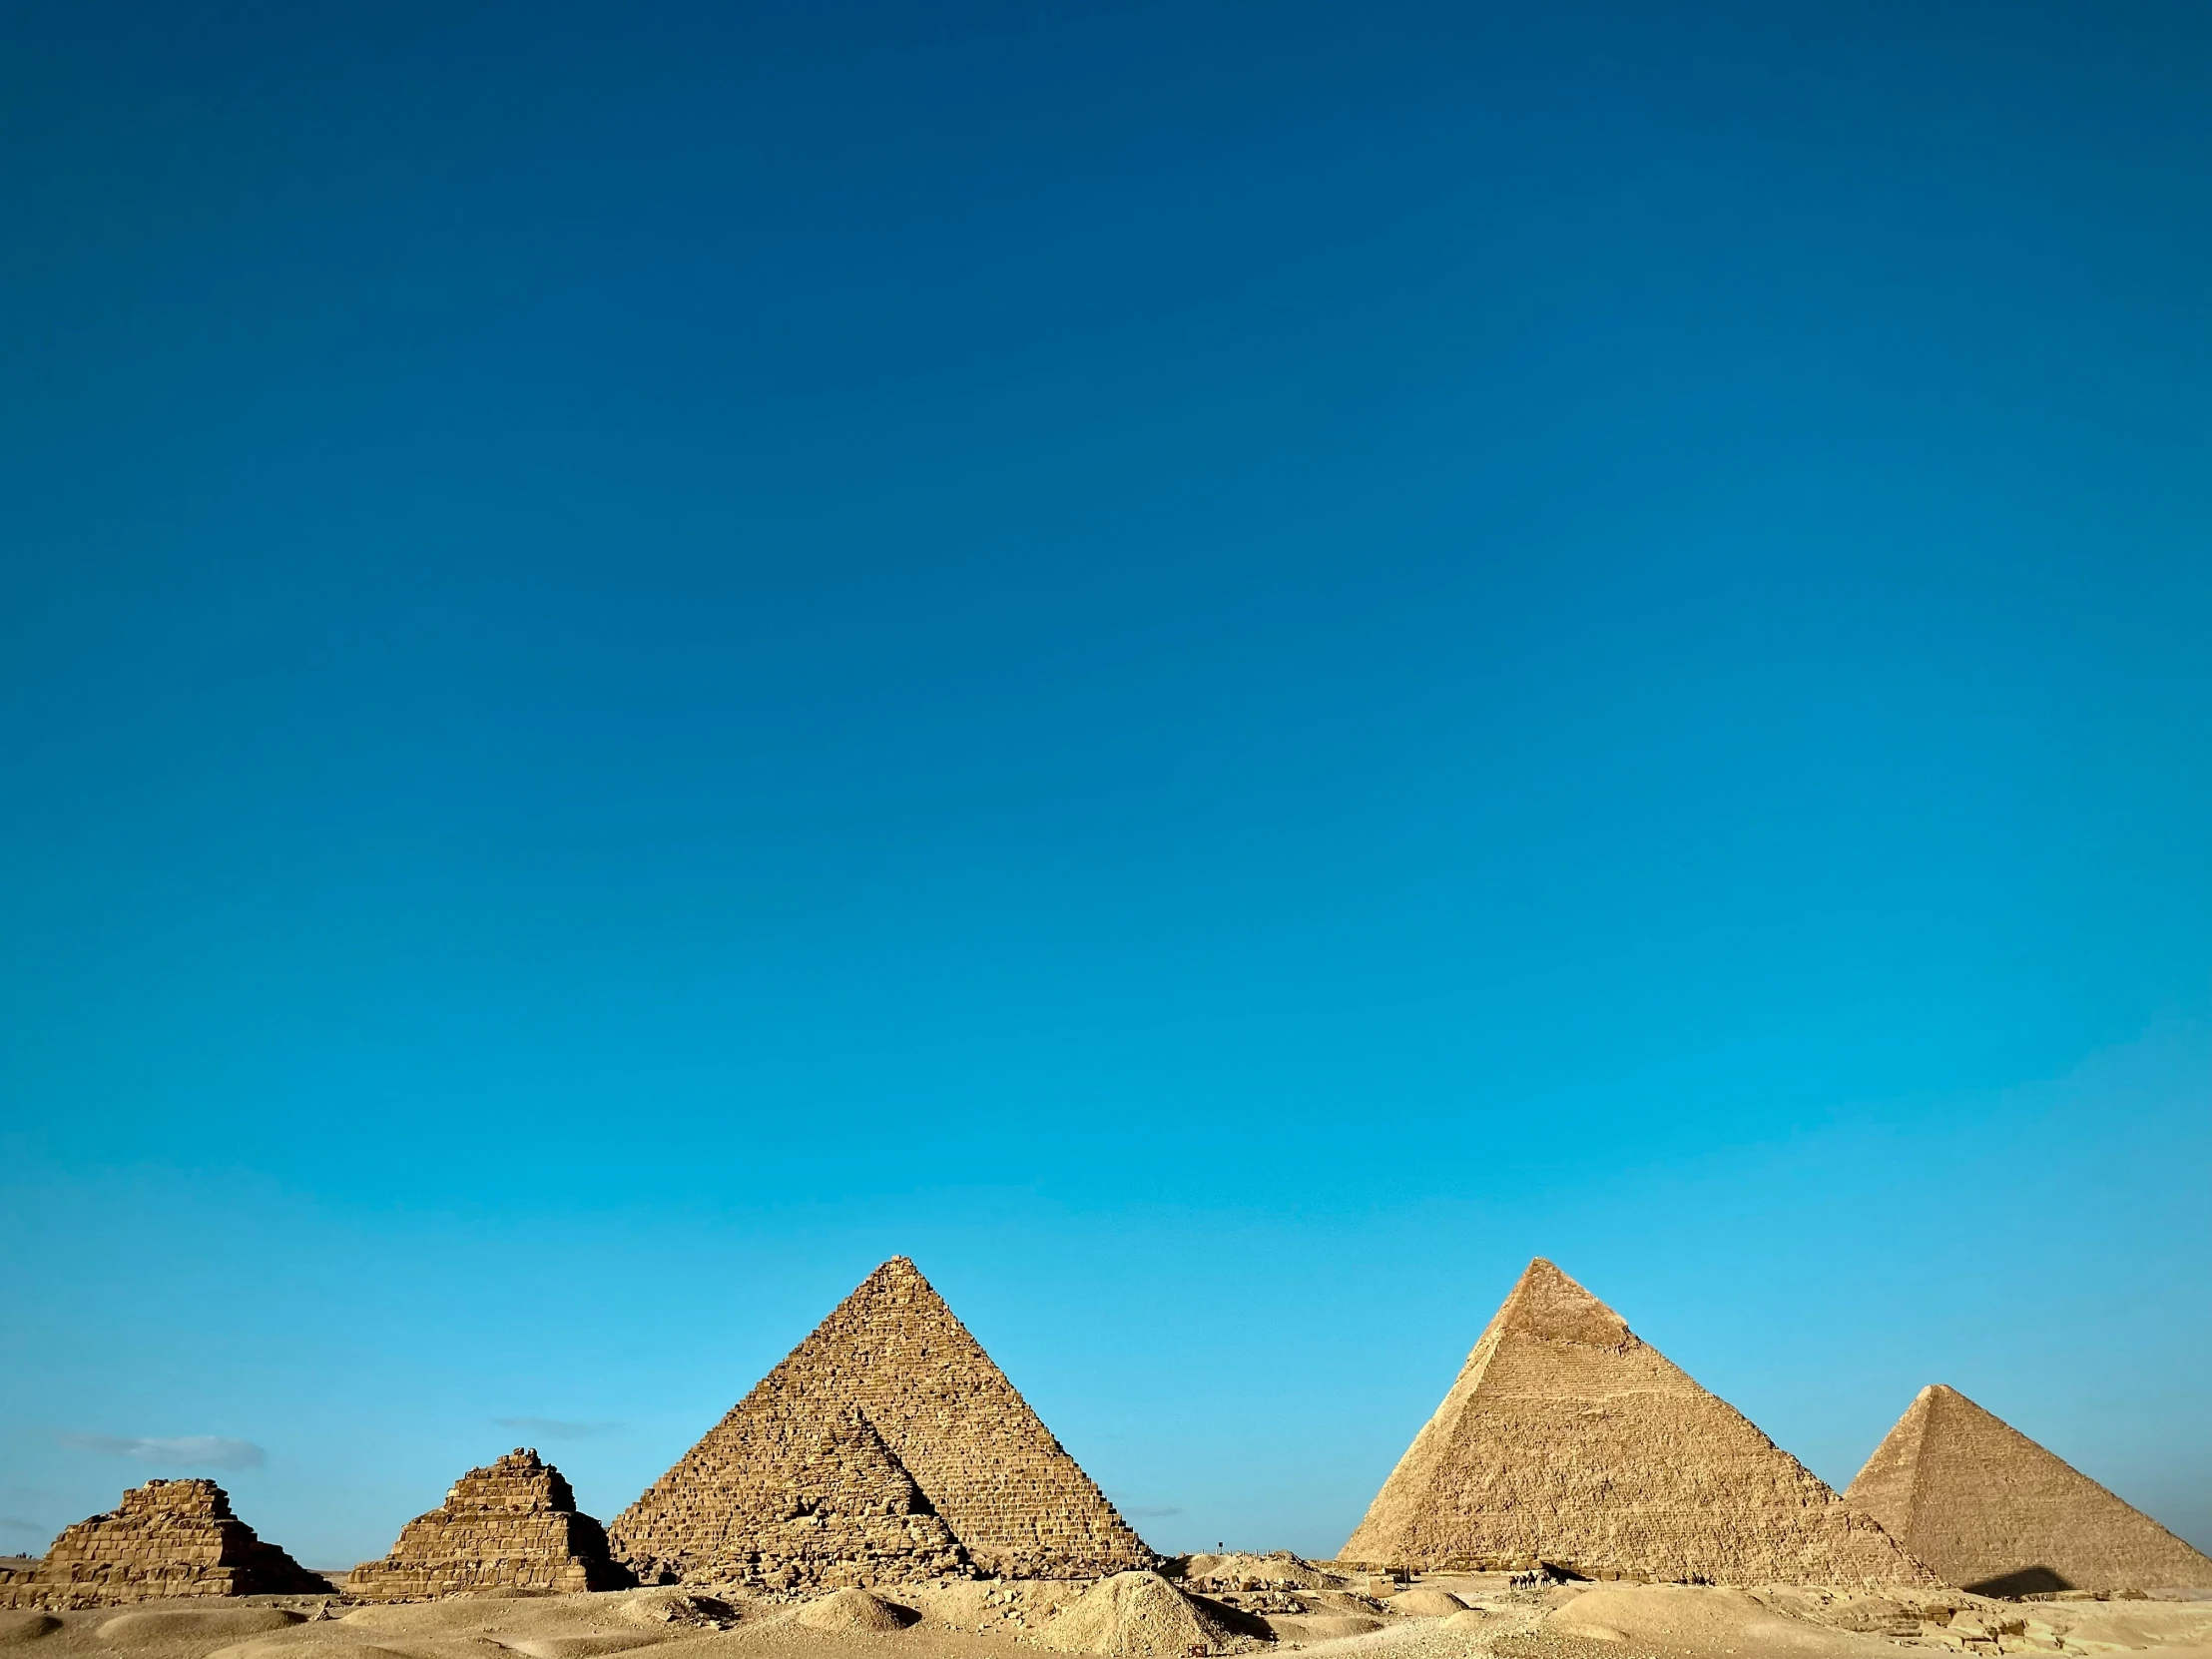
886,1447
166,1538
1569,1441
1993,1511
510,1525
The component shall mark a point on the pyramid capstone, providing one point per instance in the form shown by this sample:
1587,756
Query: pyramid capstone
1569,1440
885,1448
513,1524
1990,1511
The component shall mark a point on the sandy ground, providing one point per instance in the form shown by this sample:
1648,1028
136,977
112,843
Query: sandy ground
1440,1617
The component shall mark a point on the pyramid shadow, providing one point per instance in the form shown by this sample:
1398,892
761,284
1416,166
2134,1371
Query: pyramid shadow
2024,1581
1236,1618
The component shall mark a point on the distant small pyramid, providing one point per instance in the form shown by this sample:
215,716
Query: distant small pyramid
1993,1511
166,1538
1567,1439
913,1455
510,1525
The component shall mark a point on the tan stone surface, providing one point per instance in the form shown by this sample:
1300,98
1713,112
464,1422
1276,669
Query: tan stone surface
1568,1440
1988,1509
981,1465
1140,1615
835,1509
513,1524
1691,1619
852,1611
166,1538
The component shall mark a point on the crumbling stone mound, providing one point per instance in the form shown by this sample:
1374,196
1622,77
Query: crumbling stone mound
166,1538
675,1607
1240,1572
1140,1615
1991,1510
852,1611
513,1525
1566,1440
891,1432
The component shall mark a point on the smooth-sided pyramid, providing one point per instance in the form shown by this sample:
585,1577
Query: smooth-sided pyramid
886,1447
510,1525
1993,1511
1566,1440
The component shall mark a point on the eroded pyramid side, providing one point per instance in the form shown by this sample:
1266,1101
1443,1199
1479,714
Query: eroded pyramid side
1567,1439
893,1353
511,1525
166,1538
830,1506
1991,1509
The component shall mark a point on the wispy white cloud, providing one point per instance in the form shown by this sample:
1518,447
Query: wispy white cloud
557,1429
184,1451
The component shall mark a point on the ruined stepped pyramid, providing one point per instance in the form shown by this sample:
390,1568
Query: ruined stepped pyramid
886,1447
510,1525
1567,1439
166,1538
1991,1510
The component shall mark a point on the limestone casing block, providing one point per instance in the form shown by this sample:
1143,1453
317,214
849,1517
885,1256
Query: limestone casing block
166,1538
1567,1439
511,1525
889,1366
1989,1510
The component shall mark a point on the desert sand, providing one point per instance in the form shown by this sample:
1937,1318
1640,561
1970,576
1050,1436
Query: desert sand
1141,1615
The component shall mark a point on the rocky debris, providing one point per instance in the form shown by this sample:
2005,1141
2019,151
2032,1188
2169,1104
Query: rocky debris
677,1608
1988,1509
1569,1442
1141,1615
166,1538
892,1357
1959,1621
1238,1571
852,1611
511,1525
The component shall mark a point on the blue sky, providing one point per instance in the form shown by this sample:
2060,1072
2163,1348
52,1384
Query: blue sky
1220,668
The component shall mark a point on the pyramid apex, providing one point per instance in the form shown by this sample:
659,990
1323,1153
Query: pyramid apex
901,1277
1996,1514
1547,1303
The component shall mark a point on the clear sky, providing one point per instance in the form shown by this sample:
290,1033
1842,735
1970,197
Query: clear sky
1219,668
